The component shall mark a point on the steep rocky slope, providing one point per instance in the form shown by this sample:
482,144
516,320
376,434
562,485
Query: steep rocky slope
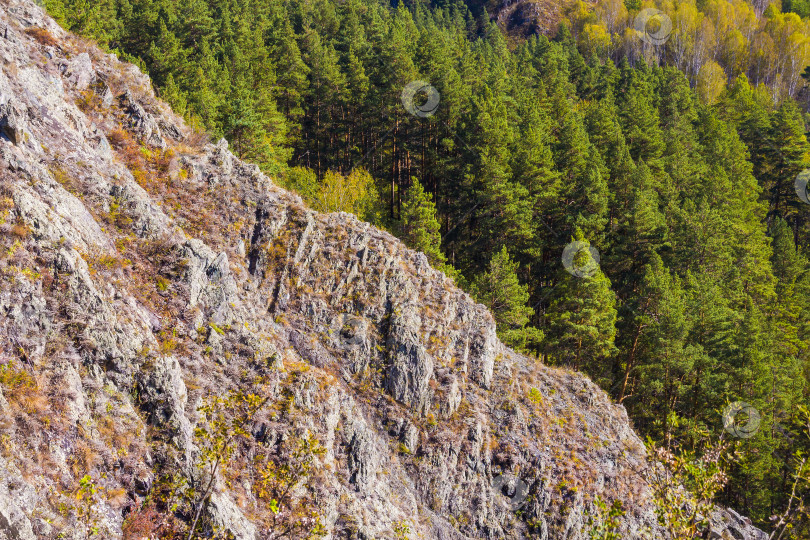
523,18
146,270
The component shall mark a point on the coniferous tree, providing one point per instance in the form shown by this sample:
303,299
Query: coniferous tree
533,167
500,290
420,228
639,115
581,317
661,357
788,157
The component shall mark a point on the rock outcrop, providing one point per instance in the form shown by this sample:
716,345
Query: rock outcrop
145,270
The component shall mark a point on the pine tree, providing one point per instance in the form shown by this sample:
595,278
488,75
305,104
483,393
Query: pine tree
788,264
197,24
292,71
640,230
500,290
788,156
174,96
581,317
584,197
504,213
741,108
243,127
166,55
533,167
639,115
420,228
326,83
660,358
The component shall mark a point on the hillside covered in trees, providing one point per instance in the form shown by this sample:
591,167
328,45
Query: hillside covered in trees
625,208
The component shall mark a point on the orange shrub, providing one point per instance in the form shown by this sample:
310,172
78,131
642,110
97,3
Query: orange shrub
41,35
119,138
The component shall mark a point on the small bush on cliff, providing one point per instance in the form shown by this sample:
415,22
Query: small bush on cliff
685,486
278,479
227,420
230,452
355,193
41,35
604,520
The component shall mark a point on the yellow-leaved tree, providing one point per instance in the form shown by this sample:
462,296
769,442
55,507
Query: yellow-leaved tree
711,82
355,193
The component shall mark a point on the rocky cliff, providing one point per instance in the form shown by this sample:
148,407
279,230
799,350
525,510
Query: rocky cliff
146,272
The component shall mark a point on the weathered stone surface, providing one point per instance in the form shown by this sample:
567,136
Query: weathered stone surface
226,516
164,395
411,368
79,72
142,122
727,523
12,121
15,498
106,96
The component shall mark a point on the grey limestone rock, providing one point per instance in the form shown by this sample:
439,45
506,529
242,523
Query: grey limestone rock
15,498
227,518
79,71
142,122
12,121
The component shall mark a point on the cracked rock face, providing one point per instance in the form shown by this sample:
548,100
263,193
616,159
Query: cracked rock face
12,122
148,269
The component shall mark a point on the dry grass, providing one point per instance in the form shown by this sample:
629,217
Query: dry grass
197,140
106,264
22,390
68,181
42,36
89,101
119,138
83,460
150,521
79,44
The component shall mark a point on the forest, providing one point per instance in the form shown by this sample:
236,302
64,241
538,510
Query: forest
625,207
